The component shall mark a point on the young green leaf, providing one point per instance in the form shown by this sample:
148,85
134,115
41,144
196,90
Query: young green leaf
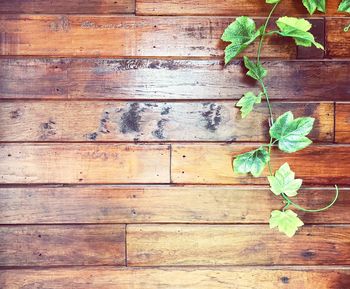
284,182
291,133
240,33
255,70
344,6
252,162
297,28
287,222
312,5
272,1
246,103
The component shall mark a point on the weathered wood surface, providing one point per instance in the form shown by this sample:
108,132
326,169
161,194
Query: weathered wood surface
68,6
149,121
176,278
212,164
163,245
337,40
160,204
62,245
84,163
42,78
342,122
98,36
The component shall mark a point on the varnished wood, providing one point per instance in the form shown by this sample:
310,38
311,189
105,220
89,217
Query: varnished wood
175,278
62,245
342,122
148,121
158,204
212,164
338,41
43,78
162,245
84,163
124,36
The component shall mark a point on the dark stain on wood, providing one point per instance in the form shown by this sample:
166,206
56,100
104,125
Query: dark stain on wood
159,132
212,116
308,254
285,280
130,120
47,129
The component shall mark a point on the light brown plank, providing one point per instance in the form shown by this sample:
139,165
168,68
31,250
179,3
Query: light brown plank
212,163
123,36
162,245
338,41
157,204
176,278
342,122
84,163
62,245
148,121
68,6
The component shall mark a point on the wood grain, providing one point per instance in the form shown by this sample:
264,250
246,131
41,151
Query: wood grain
175,278
62,245
68,6
342,123
115,36
160,204
337,40
84,163
148,121
45,78
212,164
174,245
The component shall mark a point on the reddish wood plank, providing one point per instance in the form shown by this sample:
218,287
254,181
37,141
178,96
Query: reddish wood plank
337,40
62,245
84,163
158,204
342,122
123,36
148,121
174,245
212,164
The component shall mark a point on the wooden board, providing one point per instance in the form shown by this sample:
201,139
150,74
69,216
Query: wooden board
68,6
225,7
212,164
148,121
175,278
338,41
62,245
84,163
42,78
123,36
160,204
342,123
163,245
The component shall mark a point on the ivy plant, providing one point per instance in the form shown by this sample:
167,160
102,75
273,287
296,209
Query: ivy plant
288,133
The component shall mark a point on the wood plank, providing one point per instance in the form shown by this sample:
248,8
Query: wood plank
68,6
338,41
224,7
131,204
123,36
212,164
45,78
62,245
174,245
148,121
175,278
84,163
342,122
318,30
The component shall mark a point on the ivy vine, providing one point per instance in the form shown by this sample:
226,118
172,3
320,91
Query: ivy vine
286,132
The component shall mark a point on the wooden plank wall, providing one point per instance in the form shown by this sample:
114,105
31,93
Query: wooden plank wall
118,127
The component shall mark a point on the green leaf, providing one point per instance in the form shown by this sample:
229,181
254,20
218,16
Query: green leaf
312,5
344,6
272,1
284,182
240,33
297,28
252,162
246,103
291,133
255,70
287,222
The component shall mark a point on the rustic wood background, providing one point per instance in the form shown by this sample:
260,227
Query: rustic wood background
118,129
